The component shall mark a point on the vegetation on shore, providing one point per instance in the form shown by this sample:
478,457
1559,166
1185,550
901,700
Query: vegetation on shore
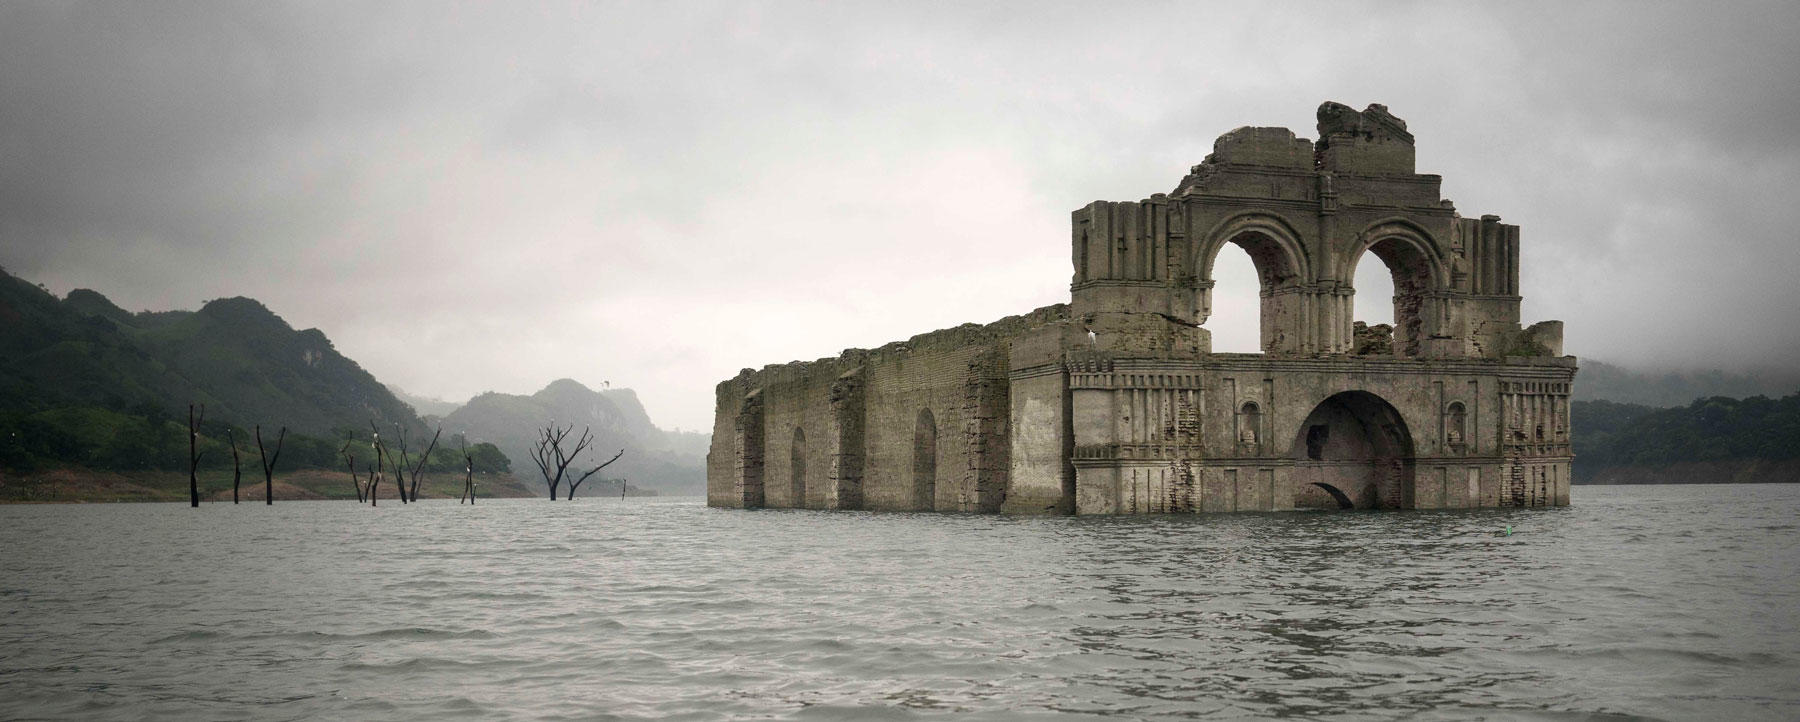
102,393
65,485
1719,433
146,438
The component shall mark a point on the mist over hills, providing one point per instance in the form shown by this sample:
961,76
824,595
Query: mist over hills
1601,381
671,462
426,406
1634,427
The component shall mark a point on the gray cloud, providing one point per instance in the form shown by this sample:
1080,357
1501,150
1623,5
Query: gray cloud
476,197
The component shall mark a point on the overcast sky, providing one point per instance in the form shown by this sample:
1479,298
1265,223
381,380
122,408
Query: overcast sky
472,198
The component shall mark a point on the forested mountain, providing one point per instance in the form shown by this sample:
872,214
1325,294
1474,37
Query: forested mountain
1685,426
233,355
85,383
1713,439
669,462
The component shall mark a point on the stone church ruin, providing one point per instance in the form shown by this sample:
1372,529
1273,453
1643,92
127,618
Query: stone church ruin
1116,404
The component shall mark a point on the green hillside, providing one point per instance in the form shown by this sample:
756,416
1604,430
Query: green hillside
1710,429
85,383
233,355
1709,440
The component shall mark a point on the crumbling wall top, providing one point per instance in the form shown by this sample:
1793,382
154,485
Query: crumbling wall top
1269,147
1371,142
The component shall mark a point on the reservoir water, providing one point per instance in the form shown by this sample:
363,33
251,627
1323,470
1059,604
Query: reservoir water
1670,602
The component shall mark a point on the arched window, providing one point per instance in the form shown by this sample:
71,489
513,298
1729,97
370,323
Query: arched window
925,461
797,465
1250,424
1392,288
1456,427
1228,294
1236,322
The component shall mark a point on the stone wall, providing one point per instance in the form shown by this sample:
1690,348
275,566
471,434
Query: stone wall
1231,433
864,416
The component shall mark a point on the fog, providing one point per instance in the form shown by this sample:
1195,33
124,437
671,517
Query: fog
488,197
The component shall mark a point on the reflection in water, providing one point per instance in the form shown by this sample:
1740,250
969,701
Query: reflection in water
1672,602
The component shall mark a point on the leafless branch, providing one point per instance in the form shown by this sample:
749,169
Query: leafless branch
268,463
584,477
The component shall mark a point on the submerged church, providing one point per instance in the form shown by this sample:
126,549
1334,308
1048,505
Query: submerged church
1116,404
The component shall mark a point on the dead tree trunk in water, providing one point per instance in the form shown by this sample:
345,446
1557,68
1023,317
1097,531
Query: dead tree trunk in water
549,454
623,484
237,467
194,454
350,461
375,471
584,477
419,469
399,463
468,475
268,464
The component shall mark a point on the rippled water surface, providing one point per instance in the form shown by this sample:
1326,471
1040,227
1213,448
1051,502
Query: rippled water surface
1659,602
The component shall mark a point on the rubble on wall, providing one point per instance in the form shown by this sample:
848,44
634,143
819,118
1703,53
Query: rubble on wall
1376,340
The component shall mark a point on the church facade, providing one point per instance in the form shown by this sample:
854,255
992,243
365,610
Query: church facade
1115,403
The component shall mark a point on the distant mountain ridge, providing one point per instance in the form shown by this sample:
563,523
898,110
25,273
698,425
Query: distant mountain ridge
425,406
1709,426
670,462
85,382
246,364
1712,440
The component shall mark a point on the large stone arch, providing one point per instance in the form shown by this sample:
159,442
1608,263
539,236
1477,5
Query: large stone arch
1421,274
1354,449
1283,269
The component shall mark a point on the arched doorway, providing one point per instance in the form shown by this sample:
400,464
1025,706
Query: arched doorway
748,428
797,469
925,462
1353,451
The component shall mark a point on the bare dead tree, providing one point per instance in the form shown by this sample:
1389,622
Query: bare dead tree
237,468
268,464
552,459
573,482
194,454
623,484
468,474
419,469
375,471
399,463
350,461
